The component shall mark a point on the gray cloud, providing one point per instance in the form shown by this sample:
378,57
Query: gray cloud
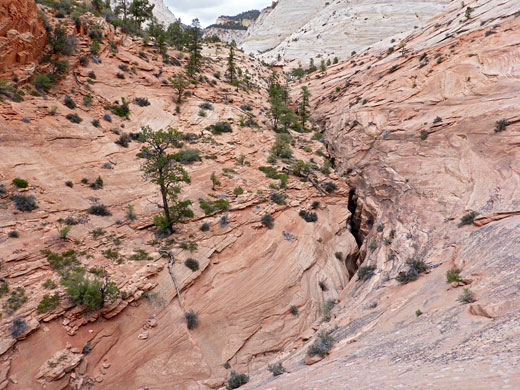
207,11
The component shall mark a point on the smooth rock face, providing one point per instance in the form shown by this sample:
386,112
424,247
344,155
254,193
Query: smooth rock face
225,34
298,30
22,34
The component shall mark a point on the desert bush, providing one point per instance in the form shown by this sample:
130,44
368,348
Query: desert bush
98,184
308,216
238,191
192,264
468,219
69,102
268,221
192,319
206,106
322,345
63,231
142,102
120,75
415,268
20,183
13,234
74,118
48,303
221,127
276,369
60,263
15,300
293,310
83,61
99,209
124,67
24,202
211,207
49,284
330,187
278,197
140,255
501,125
122,110
236,380
467,296
366,272
326,310
87,290
4,287
205,227
453,275
92,75
187,156
124,140
18,327
42,82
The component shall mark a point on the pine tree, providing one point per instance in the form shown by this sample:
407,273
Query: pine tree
122,8
141,10
193,38
304,106
160,167
175,35
231,70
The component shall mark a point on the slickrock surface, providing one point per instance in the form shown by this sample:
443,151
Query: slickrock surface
455,89
249,276
298,30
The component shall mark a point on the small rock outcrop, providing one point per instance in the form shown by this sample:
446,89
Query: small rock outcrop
22,33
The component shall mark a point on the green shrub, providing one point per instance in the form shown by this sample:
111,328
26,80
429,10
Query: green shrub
453,275
211,207
69,102
415,268
366,272
99,209
20,183
187,156
276,369
468,219
501,125
74,118
18,327
330,187
124,140
13,234
87,290
49,284
42,82
15,300
4,287
268,221
48,303
322,345
122,110
142,102
24,202
69,184
192,264
221,127
60,263
238,191
281,147
293,310
98,184
418,313
192,319
467,296
308,216
236,380
205,227
326,310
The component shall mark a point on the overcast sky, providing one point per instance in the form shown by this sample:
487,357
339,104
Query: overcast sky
207,11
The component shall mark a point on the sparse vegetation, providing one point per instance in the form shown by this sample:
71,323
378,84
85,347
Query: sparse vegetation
15,300
13,234
322,345
18,327
85,289
192,264
453,276
24,202
74,118
192,319
48,303
467,296
268,221
276,369
501,125
293,310
468,219
326,310
99,209
308,216
236,380
20,183
220,128
415,268
366,272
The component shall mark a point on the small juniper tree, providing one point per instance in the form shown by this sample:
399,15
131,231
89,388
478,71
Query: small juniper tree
179,83
141,10
160,168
